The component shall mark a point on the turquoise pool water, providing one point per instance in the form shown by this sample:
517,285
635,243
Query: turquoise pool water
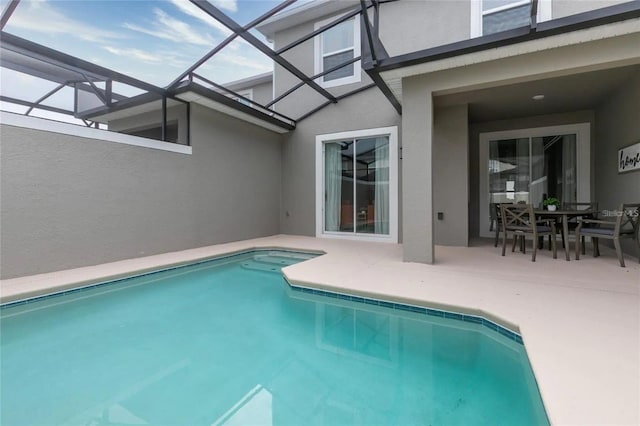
229,342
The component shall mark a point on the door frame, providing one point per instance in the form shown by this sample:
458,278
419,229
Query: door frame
583,162
392,133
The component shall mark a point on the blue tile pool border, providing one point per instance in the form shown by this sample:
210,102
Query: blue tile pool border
226,256
475,319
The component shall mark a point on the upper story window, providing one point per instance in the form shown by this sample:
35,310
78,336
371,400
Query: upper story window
502,15
494,16
336,46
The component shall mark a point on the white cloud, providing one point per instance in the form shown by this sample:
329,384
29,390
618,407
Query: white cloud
244,61
232,65
135,53
228,5
192,10
169,28
134,56
42,17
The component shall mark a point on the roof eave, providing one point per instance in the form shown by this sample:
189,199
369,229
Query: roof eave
603,16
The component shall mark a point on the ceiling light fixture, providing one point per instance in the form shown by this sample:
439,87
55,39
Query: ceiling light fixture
538,97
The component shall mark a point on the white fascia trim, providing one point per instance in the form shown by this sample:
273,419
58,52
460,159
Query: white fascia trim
544,10
220,107
392,133
317,55
476,18
23,121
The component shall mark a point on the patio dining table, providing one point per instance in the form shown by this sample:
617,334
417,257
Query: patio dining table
564,216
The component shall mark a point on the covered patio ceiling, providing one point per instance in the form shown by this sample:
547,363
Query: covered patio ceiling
561,94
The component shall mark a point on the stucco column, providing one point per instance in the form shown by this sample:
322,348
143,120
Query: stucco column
417,181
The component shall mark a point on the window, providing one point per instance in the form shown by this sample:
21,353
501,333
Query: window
248,93
336,46
356,185
493,16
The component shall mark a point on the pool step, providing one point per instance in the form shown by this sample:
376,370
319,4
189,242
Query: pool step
290,255
262,266
275,260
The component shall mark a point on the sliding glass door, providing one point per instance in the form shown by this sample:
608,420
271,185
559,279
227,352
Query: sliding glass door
356,186
527,166
529,169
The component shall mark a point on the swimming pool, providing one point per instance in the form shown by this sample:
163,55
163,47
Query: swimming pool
230,342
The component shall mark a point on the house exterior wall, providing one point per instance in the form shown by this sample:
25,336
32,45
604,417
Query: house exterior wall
562,8
424,24
617,126
366,110
68,202
417,172
450,176
303,57
298,211
263,93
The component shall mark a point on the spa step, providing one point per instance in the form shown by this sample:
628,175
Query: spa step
275,260
262,266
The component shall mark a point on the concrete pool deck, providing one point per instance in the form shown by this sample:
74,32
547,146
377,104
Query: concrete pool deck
580,320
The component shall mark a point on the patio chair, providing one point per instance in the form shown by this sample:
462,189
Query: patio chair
497,220
573,222
520,220
625,226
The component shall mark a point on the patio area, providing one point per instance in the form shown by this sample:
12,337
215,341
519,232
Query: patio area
580,320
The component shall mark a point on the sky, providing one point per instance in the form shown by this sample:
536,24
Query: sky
153,41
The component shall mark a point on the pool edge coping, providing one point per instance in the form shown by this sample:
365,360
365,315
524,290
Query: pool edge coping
74,285
509,329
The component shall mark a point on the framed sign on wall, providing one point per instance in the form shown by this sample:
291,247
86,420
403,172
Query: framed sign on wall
629,158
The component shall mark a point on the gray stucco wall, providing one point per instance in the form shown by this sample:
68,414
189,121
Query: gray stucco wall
263,93
450,176
586,116
617,126
298,153
303,57
408,26
417,172
68,201
562,8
